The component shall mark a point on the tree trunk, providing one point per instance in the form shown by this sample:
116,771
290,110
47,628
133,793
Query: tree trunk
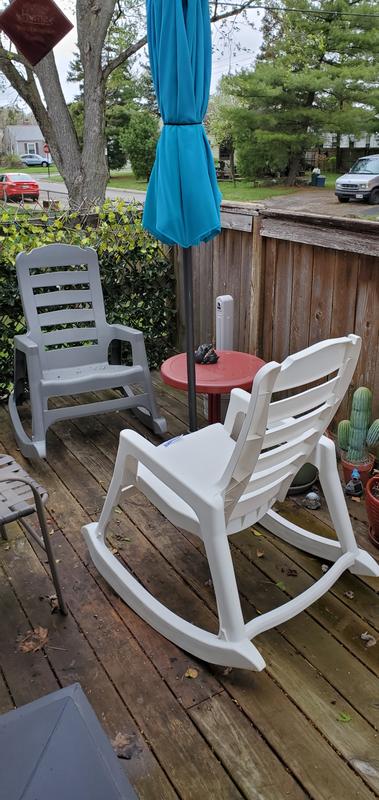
338,153
93,18
60,133
293,168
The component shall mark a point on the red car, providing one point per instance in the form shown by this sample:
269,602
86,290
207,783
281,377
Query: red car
17,186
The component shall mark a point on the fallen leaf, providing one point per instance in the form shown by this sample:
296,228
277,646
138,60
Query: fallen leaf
368,639
260,553
34,640
121,538
209,582
281,585
114,551
57,560
292,573
324,567
53,600
349,594
227,670
118,511
343,717
355,499
120,743
191,673
257,533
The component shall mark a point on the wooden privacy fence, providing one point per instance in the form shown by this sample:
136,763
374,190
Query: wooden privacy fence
295,278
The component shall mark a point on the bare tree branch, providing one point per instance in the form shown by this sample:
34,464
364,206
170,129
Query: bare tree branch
133,49
122,57
216,17
25,87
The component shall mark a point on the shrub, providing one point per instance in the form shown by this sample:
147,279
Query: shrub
330,164
10,161
139,141
137,276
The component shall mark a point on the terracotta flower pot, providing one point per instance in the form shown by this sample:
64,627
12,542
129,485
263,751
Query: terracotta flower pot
364,469
372,506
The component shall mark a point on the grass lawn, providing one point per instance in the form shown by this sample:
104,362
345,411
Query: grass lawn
243,190
37,171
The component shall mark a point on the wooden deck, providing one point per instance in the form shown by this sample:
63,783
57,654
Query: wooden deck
306,727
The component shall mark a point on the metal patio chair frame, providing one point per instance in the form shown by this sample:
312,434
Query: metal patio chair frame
66,348
17,489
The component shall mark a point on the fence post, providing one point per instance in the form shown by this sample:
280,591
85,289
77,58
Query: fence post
256,287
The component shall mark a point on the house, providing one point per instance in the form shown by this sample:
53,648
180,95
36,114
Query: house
20,139
350,148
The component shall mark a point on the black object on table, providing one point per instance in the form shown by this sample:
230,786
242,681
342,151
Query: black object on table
56,749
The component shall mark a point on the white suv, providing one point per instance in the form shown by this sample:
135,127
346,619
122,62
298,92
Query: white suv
361,183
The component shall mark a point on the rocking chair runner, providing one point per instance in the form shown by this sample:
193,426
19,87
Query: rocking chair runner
224,478
65,349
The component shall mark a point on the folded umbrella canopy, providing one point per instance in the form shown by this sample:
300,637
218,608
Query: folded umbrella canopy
183,200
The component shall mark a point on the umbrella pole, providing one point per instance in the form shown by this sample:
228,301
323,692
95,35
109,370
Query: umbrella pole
188,307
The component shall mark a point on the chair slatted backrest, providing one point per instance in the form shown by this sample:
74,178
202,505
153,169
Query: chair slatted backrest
63,304
295,424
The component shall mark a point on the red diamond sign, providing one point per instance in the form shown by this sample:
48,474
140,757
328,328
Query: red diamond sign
35,27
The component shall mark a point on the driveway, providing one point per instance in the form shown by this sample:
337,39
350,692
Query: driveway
321,201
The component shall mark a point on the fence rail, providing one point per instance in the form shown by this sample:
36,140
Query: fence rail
295,278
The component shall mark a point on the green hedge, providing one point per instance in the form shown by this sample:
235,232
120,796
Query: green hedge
137,276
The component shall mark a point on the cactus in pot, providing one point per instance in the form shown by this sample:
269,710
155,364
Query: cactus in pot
357,434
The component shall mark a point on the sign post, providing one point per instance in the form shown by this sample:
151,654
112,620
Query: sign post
46,149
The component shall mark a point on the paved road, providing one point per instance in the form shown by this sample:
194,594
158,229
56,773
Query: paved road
58,191
317,201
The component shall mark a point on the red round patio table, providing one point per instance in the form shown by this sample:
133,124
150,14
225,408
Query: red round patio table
233,370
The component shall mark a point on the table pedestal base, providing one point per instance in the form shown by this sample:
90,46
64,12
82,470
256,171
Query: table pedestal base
214,408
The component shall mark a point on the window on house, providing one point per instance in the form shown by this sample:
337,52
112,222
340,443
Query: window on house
31,148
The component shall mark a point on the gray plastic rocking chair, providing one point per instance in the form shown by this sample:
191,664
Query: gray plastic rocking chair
65,350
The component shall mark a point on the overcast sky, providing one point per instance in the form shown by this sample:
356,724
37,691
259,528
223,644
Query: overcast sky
223,62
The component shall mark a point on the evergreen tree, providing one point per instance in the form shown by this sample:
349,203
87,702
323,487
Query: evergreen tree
316,73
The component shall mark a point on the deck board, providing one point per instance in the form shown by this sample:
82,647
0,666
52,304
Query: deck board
271,735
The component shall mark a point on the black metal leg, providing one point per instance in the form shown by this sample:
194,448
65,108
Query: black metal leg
188,305
3,533
45,541
49,552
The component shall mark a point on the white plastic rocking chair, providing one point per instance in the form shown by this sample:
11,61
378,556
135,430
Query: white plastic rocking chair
224,478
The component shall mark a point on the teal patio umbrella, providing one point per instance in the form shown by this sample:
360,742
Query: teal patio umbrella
183,199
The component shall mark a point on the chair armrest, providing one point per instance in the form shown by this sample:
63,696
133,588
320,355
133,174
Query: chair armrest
136,446
124,333
25,344
135,338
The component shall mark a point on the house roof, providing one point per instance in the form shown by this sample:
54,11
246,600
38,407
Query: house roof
24,133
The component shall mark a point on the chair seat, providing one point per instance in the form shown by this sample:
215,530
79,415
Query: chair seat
89,374
204,454
16,499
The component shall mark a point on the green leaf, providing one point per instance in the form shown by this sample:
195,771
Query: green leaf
344,717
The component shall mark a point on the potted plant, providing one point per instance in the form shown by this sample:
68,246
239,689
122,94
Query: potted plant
372,506
356,435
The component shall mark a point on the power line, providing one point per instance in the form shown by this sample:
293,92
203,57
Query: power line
327,12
